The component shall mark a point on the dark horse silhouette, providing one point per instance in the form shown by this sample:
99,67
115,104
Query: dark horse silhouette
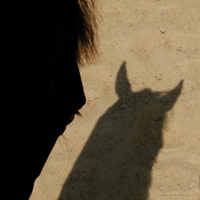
117,160
46,89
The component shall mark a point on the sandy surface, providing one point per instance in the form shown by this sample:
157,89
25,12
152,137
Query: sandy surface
139,134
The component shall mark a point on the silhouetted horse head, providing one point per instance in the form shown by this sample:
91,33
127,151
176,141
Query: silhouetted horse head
47,42
117,159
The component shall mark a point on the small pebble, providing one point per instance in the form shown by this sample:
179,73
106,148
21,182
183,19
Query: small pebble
162,30
158,76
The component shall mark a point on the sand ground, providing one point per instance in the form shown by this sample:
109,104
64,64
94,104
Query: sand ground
139,133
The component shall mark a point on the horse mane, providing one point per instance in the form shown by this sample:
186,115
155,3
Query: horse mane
76,30
86,31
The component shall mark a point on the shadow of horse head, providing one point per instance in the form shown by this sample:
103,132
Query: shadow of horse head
117,159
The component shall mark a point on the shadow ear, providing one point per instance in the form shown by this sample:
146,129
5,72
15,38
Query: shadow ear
172,96
122,86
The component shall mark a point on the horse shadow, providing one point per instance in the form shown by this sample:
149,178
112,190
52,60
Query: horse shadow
117,160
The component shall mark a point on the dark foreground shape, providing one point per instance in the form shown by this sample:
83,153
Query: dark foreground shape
44,87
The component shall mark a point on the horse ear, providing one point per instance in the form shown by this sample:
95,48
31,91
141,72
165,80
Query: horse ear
122,86
171,97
